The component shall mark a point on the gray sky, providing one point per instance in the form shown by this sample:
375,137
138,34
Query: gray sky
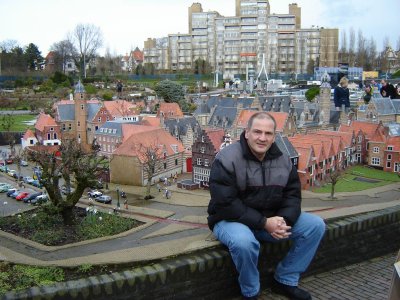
126,24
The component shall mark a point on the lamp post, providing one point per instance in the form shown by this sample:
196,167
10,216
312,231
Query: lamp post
118,204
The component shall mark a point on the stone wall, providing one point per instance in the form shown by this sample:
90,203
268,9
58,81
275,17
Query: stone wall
210,274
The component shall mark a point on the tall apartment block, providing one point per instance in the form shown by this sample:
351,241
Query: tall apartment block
233,45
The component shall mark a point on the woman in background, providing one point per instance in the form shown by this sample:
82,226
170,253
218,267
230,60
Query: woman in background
341,94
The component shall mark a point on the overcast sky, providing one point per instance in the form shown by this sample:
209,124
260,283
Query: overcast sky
126,24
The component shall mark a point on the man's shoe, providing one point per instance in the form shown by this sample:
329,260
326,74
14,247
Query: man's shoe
293,292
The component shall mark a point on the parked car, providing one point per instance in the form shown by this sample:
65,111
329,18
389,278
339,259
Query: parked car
36,183
3,168
21,196
28,179
104,199
94,193
16,176
15,194
9,161
11,172
24,163
11,191
40,199
5,188
32,196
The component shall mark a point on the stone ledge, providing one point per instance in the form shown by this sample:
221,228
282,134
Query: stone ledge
210,273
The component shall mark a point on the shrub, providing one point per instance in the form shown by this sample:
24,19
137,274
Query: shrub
26,276
107,96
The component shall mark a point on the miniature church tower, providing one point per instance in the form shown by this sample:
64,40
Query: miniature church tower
325,100
80,114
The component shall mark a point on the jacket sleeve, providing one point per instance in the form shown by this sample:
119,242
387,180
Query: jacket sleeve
291,201
226,204
336,97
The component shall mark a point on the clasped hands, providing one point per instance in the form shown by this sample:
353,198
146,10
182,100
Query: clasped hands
277,227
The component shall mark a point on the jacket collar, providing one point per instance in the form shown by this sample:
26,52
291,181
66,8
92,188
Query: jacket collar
272,153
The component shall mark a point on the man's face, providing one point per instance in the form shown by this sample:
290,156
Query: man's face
383,83
260,137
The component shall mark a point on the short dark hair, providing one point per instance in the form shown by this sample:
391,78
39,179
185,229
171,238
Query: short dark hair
261,115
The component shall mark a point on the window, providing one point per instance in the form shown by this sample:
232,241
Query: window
376,161
359,148
206,162
55,135
82,107
202,138
63,127
376,150
165,166
51,128
202,149
390,148
198,161
70,126
360,138
389,157
388,164
176,162
99,119
79,123
114,131
101,129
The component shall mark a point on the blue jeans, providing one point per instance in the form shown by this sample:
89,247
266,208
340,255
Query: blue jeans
244,247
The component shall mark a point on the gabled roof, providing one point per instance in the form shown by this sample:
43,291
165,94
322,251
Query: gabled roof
151,121
346,137
306,141
218,101
223,117
43,121
305,157
368,128
65,109
384,106
394,142
216,137
285,145
152,138
169,110
28,134
181,125
119,108
275,103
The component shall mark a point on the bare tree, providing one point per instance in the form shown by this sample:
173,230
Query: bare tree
70,162
384,62
371,55
64,51
87,38
334,177
352,45
343,54
151,157
361,50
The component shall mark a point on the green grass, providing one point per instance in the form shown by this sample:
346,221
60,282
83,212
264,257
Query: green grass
348,184
19,124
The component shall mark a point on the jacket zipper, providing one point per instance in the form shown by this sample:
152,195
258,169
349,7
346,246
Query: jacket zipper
263,172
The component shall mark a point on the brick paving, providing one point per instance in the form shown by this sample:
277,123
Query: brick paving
369,280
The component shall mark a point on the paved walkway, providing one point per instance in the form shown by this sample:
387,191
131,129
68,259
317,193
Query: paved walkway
175,226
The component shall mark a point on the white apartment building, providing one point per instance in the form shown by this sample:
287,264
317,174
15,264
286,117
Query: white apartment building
233,45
